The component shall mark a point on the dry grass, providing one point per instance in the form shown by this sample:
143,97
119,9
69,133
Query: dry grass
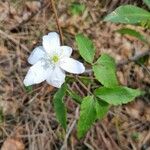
29,116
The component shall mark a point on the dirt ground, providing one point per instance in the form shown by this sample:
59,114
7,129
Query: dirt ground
27,118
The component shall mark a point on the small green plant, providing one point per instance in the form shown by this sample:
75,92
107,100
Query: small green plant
51,60
50,63
135,136
77,8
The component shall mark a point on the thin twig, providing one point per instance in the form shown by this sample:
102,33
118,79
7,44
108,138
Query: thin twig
64,146
108,134
5,35
57,20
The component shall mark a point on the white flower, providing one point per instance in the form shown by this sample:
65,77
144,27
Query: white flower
50,62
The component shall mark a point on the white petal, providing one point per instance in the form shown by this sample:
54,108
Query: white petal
37,73
36,55
66,51
57,77
51,41
71,65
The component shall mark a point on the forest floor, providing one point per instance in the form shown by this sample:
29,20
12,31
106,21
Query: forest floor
27,118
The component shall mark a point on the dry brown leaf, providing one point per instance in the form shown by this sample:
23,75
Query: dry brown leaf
12,144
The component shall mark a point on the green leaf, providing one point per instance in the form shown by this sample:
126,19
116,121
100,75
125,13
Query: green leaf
105,71
128,14
59,106
135,136
74,96
77,8
143,60
101,108
117,95
87,116
28,89
133,33
86,47
145,24
147,2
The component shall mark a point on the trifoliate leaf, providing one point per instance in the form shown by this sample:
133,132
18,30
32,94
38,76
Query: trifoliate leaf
87,116
128,14
117,95
86,47
105,71
59,106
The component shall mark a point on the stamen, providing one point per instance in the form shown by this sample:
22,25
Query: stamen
55,58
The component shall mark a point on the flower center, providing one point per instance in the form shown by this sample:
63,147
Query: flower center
55,58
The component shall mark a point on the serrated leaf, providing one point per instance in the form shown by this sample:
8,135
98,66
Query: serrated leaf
105,71
128,14
133,33
101,108
87,116
117,95
59,106
77,8
147,2
86,47
74,96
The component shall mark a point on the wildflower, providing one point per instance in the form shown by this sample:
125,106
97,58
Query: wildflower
50,62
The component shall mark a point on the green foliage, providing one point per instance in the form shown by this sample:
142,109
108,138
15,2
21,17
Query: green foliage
77,8
105,71
86,47
147,2
143,60
59,106
117,95
97,105
92,108
74,96
101,108
145,23
128,14
87,116
28,89
133,33
135,136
